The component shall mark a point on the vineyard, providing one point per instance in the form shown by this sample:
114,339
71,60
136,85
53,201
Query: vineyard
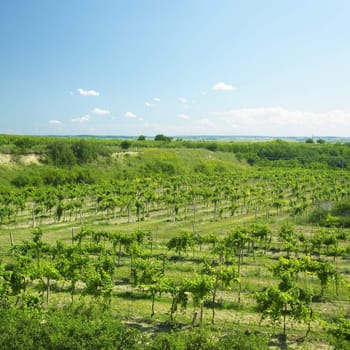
112,244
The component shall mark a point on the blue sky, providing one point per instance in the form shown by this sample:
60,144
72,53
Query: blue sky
184,67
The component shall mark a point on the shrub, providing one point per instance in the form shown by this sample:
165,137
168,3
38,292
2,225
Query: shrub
80,327
339,332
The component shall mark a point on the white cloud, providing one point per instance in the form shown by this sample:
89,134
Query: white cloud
183,116
99,111
88,92
150,104
206,123
182,99
203,126
278,121
221,86
81,119
54,122
130,115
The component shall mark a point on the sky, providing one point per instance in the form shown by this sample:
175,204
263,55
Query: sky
184,67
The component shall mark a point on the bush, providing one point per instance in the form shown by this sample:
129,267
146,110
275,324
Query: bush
203,339
339,332
167,341
244,341
342,209
81,327
125,144
339,216
318,216
161,137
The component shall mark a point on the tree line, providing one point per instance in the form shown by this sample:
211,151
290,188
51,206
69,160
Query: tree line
67,151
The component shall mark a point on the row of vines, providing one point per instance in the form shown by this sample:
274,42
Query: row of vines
175,198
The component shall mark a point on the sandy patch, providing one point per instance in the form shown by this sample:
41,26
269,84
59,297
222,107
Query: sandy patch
8,159
30,159
123,154
5,158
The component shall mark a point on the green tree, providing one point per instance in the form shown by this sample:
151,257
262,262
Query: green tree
286,299
161,137
181,243
287,236
149,276
125,144
177,288
60,153
222,274
200,287
85,151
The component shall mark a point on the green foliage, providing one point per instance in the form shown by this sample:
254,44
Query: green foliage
161,137
200,287
286,234
80,327
68,152
339,331
125,144
91,327
61,153
243,341
202,339
287,299
212,146
173,189
276,153
168,341
338,215
341,209
319,216
181,243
